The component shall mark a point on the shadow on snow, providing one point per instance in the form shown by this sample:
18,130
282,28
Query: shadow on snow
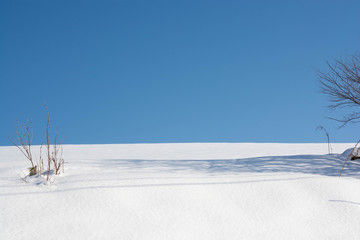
326,165
322,165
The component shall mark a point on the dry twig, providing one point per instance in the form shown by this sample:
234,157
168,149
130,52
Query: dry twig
328,137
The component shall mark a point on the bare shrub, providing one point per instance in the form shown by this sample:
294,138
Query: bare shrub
22,140
54,160
54,156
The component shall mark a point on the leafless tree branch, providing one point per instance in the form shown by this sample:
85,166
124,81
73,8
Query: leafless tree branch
342,84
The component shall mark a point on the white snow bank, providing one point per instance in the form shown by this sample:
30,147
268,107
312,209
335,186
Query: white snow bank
351,151
186,151
185,191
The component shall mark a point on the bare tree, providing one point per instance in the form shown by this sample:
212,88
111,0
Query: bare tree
342,84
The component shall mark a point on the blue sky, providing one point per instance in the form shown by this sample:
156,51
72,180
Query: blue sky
173,71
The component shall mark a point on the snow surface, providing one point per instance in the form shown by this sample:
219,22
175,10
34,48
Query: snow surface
184,191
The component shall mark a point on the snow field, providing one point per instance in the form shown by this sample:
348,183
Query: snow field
184,191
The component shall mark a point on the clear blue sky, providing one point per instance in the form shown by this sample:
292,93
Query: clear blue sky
173,71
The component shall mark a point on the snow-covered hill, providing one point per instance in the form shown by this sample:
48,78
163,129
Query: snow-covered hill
184,191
